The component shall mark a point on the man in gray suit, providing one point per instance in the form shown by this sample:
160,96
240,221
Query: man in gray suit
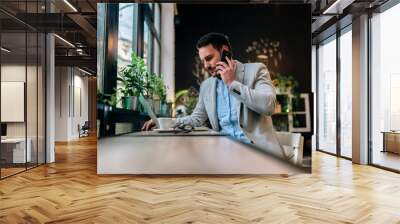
238,99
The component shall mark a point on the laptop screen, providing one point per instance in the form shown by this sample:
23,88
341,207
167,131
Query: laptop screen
149,110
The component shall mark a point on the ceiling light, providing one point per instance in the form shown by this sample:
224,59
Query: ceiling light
79,51
65,41
262,56
70,5
5,50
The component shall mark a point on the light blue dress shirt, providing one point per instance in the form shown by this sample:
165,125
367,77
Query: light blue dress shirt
227,114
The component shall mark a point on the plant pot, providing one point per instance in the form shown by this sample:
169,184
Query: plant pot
134,102
130,103
125,102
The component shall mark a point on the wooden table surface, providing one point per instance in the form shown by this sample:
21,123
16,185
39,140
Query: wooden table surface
184,155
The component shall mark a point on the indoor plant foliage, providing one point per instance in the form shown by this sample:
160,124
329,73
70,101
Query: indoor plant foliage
267,52
107,99
285,84
136,80
158,92
287,99
160,89
132,78
187,98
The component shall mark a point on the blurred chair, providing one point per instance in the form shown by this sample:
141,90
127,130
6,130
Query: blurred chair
84,130
292,143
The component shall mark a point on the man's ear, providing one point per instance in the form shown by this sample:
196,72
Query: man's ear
226,48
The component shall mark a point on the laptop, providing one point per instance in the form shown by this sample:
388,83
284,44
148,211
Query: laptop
149,110
153,116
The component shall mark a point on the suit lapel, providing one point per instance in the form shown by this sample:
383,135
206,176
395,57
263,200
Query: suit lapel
239,72
213,96
213,106
240,78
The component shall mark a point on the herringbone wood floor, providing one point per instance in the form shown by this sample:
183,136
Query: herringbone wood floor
69,191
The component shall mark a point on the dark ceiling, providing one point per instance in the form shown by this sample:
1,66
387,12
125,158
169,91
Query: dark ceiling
75,23
75,20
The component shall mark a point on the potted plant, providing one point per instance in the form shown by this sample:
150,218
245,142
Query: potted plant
136,81
285,90
285,84
165,106
150,95
132,78
109,100
160,93
129,97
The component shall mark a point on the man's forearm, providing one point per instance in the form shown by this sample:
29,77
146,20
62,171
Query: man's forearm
198,116
261,99
190,120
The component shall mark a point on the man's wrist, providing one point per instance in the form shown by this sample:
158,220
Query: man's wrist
228,82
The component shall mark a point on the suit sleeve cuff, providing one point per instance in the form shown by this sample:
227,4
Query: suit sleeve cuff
179,121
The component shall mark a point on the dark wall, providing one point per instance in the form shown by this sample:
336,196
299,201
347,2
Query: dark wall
288,24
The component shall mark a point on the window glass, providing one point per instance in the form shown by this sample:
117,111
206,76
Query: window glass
346,94
385,87
327,96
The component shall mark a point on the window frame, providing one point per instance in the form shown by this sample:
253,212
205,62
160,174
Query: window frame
381,9
334,37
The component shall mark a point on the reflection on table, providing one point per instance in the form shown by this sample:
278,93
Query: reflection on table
149,153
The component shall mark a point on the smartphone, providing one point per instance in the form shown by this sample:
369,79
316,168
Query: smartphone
224,54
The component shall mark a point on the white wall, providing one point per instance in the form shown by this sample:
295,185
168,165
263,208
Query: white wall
17,73
168,48
80,83
33,126
69,82
61,103
12,101
14,72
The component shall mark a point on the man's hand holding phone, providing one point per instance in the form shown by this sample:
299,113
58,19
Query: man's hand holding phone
226,68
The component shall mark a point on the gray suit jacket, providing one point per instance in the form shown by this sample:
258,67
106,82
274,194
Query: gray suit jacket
256,98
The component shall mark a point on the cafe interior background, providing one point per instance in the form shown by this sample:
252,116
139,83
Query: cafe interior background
157,41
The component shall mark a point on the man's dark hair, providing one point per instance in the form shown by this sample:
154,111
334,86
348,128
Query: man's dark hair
217,40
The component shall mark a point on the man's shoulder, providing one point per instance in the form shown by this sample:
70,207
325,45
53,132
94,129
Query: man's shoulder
254,69
207,82
254,65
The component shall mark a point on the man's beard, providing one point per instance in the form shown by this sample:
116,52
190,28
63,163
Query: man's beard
212,72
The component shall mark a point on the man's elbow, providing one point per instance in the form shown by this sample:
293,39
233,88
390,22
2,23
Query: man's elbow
268,108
